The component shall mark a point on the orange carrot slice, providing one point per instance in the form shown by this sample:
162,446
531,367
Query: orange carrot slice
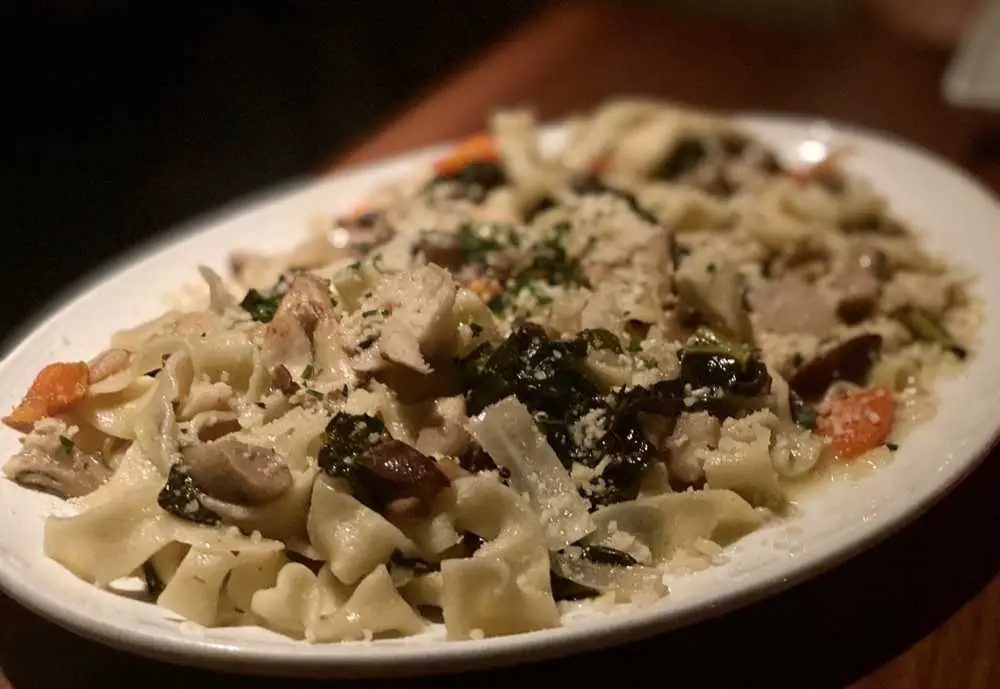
827,168
479,148
857,421
56,388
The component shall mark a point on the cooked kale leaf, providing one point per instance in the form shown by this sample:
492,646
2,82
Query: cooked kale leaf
181,498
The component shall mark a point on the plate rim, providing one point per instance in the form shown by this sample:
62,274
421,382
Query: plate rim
450,657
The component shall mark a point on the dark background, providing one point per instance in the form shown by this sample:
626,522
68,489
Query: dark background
126,118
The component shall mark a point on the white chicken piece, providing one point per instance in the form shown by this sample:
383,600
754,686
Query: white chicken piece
286,340
419,319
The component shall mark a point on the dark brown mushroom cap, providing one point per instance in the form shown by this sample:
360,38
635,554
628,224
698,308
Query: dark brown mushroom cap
397,471
849,361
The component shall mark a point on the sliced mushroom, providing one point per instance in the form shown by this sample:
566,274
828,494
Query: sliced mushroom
857,280
713,289
238,473
401,472
848,361
791,305
66,474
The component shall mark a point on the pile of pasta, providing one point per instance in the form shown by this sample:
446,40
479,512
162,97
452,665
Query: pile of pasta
515,383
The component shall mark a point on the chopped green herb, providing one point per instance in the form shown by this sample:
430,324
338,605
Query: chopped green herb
363,249
710,268
345,390
892,447
384,312
314,393
634,346
601,339
369,313
550,264
355,266
476,329
308,372
806,418
798,360
67,444
496,303
260,308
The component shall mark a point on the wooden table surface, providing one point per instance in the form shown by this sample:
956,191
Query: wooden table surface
921,609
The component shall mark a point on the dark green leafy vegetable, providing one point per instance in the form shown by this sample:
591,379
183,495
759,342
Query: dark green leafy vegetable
416,564
262,307
67,445
709,360
547,376
686,156
181,498
601,339
154,584
475,180
565,589
604,555
927,327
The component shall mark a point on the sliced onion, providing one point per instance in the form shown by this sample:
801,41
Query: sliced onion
509,435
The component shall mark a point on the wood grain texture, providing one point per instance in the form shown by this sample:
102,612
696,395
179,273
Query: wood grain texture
921,610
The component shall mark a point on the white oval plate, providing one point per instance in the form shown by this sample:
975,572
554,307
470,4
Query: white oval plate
959,218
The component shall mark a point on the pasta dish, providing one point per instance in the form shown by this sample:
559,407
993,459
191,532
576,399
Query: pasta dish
514,383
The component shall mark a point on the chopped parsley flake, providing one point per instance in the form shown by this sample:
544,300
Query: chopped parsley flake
496,304
314,393
67,444
807,418
308,372
892,446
